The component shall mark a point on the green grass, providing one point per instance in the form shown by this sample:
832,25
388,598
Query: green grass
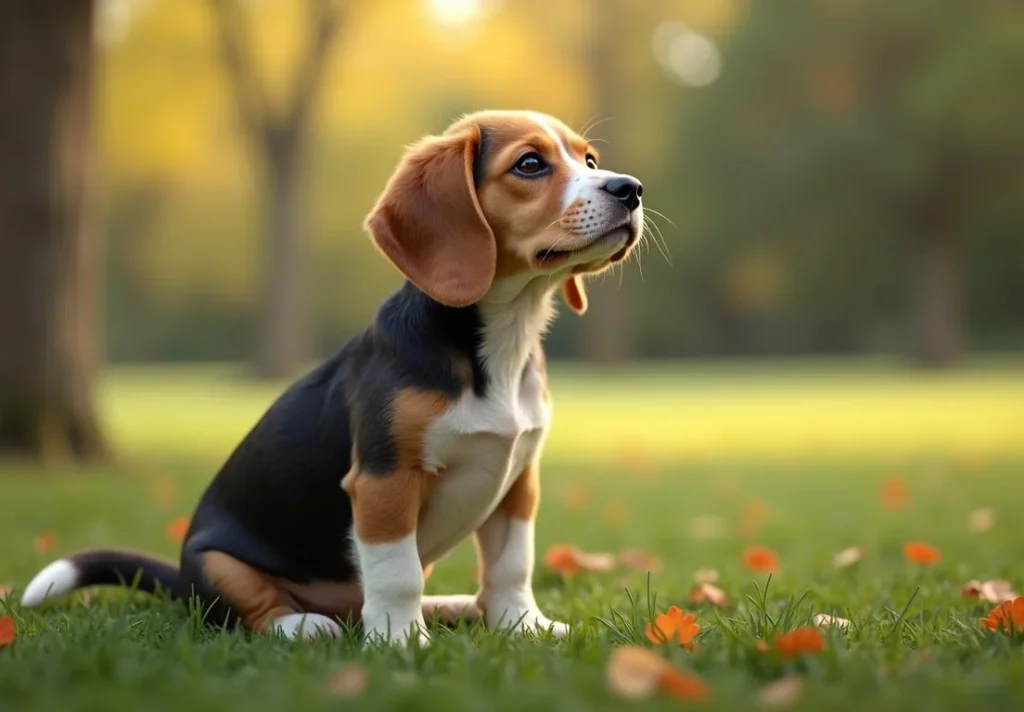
634,461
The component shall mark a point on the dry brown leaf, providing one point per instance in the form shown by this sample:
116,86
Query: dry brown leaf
824,620
348,681
992,591
706,576
981,520
997,591
784,692
710,593
634,672
848,557
639,560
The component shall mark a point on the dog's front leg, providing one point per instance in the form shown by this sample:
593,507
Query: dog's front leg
505,543
385,511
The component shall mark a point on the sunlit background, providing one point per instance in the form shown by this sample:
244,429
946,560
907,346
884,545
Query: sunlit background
835,191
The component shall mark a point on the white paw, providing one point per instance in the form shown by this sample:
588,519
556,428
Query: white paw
520,611
306,625
394,628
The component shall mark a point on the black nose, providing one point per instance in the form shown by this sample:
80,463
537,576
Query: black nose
626,189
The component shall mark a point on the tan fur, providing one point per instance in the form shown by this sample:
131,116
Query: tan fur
523,498
255,597
412,410
428,221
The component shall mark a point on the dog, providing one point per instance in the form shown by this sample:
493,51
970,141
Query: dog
425,428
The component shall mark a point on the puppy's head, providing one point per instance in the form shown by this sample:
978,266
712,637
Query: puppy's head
505,196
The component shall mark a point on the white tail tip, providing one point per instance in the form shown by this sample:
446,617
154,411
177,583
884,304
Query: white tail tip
56,579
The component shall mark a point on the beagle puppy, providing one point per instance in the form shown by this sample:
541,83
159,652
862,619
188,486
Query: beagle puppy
425,428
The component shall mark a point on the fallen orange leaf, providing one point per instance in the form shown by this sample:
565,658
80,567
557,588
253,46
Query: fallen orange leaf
981,520
684,685
639,560
894,494
348,681
7,631
824,620
567,560
673,626
177,529
710,593
783,692
799,642
1008,616
918,552
45,542
636,673
760,558
848,557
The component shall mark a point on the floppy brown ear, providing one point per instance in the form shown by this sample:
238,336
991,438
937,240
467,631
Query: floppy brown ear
429,224
573,294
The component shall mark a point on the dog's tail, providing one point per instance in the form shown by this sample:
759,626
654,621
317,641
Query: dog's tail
103,567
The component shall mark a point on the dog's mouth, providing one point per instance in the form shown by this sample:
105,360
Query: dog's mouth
549,257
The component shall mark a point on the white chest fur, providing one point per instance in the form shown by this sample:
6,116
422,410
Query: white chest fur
477,450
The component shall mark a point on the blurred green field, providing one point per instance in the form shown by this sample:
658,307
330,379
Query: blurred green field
669,459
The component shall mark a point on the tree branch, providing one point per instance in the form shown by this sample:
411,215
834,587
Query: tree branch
238,60
325,21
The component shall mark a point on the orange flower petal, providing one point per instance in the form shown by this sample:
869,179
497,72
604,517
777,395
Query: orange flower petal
760,558
919,552
672,626
8,629
799,642
177,529
683,685
761,646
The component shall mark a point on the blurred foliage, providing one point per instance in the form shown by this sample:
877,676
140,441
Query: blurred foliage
783,179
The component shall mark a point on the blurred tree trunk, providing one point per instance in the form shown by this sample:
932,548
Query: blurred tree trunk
279,137
937,321
609,337
49,251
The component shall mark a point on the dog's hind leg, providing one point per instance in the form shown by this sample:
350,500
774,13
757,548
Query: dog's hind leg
234,590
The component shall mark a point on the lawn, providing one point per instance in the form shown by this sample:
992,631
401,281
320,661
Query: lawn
691,464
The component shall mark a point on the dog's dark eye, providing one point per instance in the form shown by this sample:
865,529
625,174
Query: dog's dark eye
591,161
530,165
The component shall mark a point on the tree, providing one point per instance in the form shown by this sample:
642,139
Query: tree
49,251
278,137
861,141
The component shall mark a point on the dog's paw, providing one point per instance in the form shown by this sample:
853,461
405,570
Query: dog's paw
519,611
307,626
395,629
